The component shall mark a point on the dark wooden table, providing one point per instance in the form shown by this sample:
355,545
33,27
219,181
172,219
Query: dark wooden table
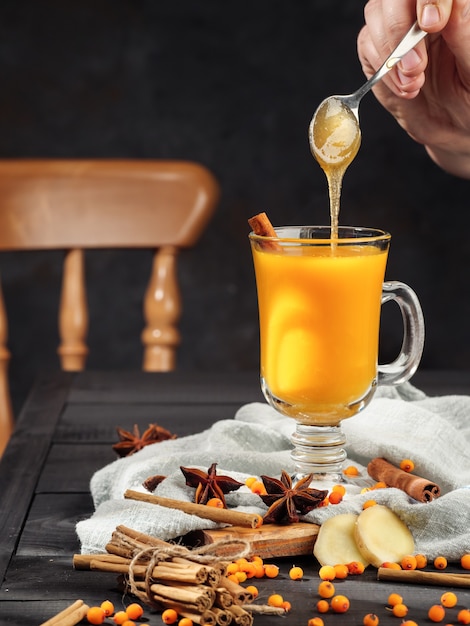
64,434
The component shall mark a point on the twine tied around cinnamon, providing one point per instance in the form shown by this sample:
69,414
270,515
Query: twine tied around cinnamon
205,555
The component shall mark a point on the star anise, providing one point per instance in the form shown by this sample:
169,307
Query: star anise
287,502
130,442
152,482
209,485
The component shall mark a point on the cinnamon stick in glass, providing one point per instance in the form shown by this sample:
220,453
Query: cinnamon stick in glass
416,487
262,226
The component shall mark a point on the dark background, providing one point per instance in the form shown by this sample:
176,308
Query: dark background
232,85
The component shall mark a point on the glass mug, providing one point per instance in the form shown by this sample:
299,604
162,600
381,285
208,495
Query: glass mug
319,304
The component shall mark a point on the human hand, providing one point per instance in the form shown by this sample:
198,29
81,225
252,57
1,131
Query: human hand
428,92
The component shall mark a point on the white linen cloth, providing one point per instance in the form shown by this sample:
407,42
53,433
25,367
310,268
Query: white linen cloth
400,422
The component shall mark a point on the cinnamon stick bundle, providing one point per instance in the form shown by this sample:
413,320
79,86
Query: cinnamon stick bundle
193,582
416,487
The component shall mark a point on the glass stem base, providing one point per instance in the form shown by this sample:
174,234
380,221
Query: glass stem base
319,450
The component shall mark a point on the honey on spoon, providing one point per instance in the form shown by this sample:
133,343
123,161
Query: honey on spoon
334,132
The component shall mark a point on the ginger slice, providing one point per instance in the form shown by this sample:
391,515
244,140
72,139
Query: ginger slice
336,542
381,536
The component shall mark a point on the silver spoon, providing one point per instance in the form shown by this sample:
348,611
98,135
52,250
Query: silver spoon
351,101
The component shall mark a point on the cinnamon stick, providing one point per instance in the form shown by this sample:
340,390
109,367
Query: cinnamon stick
222,516
420,577
262,226
70,616
417,487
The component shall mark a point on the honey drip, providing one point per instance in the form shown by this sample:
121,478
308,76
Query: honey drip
335,138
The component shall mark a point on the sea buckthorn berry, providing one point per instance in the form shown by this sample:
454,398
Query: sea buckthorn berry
275,599
259,570
463,616
258,488
134,611
108,607
339,489
216,503
440,562
408,622
409,562
95,615
315,621
436,613
323,606
248,568
240,576
449,599
380,485
369,503
334,497
232,568
286,605
128,622
371,619
339,604
341,570
355,568
253,590
421,561
327,572
271,570
120,617
400,609
296,573
394,598
185,621
465,561
233,578
326,589
407,465
351,470
169,616
391,565
250,480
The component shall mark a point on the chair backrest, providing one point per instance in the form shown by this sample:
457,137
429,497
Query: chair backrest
74,205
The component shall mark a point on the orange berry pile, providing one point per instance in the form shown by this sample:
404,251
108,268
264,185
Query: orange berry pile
98,614
240,570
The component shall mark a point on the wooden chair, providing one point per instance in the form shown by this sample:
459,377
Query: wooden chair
76,205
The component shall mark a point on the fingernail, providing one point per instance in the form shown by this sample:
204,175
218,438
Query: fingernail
429,15
404,80
410,60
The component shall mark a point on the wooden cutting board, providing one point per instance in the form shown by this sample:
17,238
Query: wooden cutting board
269,540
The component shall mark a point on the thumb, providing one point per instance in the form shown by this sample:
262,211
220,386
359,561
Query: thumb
433,15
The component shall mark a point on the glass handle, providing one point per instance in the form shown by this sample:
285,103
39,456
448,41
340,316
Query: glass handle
406,363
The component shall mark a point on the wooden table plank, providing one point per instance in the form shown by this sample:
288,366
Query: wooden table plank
165,388
46,471
23,459
50,527
97,422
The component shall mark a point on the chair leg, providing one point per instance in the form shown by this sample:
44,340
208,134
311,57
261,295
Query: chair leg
73,313
7,422
162,310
